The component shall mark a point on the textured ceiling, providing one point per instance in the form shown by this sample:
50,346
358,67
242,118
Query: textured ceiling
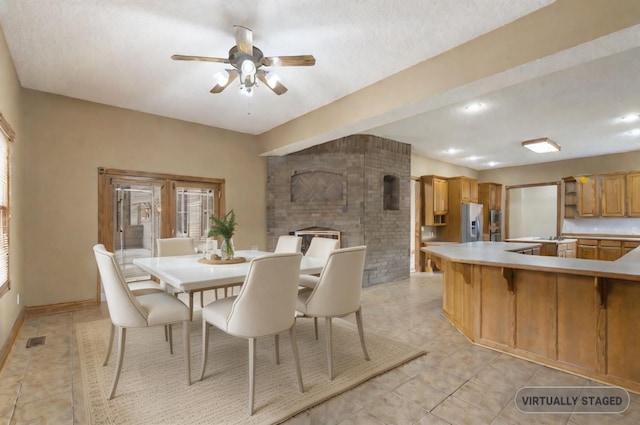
117,52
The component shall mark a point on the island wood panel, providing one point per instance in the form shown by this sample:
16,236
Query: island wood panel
623,339
498,305
458,297
559,314
579,321
536,312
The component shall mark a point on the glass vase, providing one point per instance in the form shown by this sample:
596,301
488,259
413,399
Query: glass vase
227,251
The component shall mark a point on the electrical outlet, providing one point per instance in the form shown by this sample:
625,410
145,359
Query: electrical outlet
18,298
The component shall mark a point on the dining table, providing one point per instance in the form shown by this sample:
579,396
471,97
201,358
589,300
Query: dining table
189,274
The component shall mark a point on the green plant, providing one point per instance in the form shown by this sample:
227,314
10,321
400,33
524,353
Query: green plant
225,226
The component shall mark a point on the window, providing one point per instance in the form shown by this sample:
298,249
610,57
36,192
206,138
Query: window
6,136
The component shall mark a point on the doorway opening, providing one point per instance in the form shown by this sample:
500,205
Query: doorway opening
136,208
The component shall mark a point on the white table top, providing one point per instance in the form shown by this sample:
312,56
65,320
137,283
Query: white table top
185,273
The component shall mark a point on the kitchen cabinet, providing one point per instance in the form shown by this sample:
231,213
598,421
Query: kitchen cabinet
490,196
559,249
612,195
462,189
570,197
604,249
633,194
436,200
587,249
628,246
588,199
609,250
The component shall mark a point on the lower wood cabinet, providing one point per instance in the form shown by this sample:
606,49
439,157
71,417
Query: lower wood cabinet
609,250
604,249
587,249
574,322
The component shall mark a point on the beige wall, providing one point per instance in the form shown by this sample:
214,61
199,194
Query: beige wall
10,98
554,171
423,166
67,140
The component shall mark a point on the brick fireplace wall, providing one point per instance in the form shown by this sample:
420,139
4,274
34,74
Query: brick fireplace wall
359,185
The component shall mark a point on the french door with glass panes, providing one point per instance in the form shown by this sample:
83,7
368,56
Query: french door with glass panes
136,208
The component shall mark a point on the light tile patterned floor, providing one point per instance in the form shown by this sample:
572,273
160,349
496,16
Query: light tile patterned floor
455,383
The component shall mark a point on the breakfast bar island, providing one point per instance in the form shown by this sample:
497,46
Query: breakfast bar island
577,315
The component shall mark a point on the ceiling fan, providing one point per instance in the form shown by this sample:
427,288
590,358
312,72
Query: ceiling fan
248,63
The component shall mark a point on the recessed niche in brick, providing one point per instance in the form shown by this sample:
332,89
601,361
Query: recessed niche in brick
391,195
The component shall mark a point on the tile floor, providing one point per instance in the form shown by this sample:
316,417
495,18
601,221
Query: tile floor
455,383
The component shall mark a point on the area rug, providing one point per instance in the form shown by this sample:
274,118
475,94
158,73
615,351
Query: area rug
152,388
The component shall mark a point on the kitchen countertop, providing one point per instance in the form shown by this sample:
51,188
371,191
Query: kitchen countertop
608,237
496,254
542,240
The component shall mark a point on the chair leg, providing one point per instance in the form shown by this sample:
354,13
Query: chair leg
315,324
170,332
166,332
201,298
186,335
122,336
328,335
296,356
112,334
252,372
205,347
361,333
277,341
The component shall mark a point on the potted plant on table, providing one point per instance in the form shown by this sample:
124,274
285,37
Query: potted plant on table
225,227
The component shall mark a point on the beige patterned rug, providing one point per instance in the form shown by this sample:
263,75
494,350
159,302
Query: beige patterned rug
152,388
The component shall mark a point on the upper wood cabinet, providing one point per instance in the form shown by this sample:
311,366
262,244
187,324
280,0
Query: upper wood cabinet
605,195
633,194
613,195
570,197
588,196
490,195
463,189
436,200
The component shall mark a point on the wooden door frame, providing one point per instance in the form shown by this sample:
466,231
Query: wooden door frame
559,211
168,217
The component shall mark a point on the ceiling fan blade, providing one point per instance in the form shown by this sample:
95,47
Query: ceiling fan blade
233,74
244,39
275,85
198,58
301,60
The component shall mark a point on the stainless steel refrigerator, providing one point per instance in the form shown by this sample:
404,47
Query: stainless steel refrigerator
471,222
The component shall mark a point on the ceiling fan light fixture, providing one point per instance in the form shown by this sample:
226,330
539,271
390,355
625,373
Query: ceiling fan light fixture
272,80
221,78
543,145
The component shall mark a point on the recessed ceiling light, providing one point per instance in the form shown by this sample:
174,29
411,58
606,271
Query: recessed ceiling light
472,158
492,164
473,107
630,118
451,151
543,145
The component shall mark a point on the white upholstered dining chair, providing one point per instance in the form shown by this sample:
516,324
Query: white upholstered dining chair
169,247
288,243
129,311
336,294
265,306
318,248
